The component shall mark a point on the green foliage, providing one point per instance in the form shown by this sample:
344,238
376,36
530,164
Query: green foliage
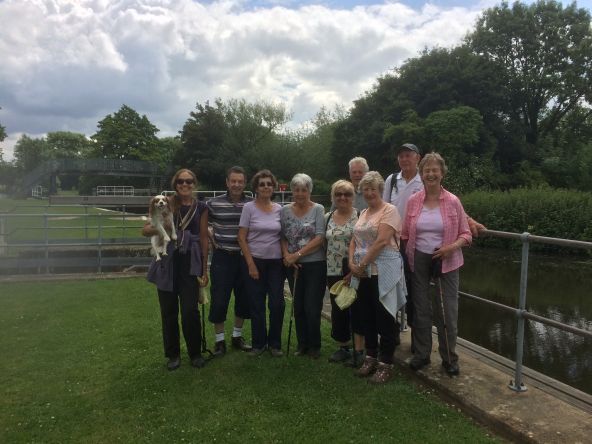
29,153
234,133
541,211
545,52
127,135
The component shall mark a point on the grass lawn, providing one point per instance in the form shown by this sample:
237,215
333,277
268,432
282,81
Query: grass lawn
82,362
25,222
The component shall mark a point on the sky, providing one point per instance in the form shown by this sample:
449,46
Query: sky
65,65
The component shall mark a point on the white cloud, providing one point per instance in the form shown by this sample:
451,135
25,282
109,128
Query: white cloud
66,64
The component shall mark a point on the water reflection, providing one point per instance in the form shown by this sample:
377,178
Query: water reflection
557,289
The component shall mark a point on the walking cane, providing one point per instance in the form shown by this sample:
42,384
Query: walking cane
203,300
436,271
293,290
444,317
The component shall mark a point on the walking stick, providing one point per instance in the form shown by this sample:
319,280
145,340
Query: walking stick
293,290
444,317
203,300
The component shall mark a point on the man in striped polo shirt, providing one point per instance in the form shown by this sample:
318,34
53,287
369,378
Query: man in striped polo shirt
224,213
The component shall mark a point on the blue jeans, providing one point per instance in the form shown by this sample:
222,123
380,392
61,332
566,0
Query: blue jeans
308,302
270,285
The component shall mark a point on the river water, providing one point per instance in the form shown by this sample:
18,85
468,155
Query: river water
558,288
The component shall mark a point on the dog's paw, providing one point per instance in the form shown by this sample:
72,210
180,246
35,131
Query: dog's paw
164,253
167,239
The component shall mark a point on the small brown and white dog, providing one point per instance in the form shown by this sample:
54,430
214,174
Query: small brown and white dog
161,218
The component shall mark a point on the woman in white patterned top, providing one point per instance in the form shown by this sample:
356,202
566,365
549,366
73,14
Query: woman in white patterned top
339,226
303,233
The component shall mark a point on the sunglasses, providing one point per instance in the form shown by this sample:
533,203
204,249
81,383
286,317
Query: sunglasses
266,184
184,181
344,194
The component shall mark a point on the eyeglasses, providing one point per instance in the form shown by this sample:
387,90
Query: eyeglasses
182,181
265,184
347,194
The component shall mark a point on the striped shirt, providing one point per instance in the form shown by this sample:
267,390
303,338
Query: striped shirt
224,216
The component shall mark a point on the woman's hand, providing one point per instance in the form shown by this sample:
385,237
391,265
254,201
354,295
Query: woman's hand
445,251
347,278
290,259
203,280
253,271
357,270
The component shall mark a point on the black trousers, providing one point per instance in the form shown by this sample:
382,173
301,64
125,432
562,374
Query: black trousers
343,322
226,277
377,321
185,294
308,302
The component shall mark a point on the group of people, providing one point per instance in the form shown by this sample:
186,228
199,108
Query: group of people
387,240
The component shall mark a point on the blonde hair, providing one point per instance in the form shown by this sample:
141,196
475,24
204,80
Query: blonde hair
341,185
373,179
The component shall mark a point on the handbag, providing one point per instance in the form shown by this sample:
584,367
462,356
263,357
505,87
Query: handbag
344,294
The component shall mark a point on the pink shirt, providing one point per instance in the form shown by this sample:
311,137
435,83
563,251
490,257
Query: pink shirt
429,230
455,227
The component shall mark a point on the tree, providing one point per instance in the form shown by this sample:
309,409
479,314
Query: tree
29,153
229,133
545,51
127,135
68,145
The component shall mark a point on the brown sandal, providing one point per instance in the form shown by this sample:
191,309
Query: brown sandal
367,368
384,373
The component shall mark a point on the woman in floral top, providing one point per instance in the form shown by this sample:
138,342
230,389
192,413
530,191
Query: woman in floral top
339,225
303,232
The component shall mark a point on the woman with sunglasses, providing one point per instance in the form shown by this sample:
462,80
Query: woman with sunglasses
303,233
175,276
259,239
339,227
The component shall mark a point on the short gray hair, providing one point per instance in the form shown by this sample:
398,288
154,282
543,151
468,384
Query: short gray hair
373,179
301,180
433,157
359,160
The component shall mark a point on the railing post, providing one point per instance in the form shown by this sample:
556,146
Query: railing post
123,231
46,236
86,222
3,249
99,251
517,385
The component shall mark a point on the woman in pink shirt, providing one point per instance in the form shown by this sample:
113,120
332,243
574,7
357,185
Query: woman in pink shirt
434,231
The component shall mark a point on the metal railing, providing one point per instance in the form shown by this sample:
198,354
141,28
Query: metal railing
20,251
521,313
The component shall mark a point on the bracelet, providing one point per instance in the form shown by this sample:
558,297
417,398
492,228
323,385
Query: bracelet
299,253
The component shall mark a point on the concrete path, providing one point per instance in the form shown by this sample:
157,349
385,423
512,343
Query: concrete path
548,412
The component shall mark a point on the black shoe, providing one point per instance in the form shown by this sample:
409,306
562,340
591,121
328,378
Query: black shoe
301,351
198,362
174,364
256,352
418,363
314,353
239,343
276,352
357,359
451,369
342,354
220,349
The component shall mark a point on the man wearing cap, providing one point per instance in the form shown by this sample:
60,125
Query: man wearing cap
224,214
399,187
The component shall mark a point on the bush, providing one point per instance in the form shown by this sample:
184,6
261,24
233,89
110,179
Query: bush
541,211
